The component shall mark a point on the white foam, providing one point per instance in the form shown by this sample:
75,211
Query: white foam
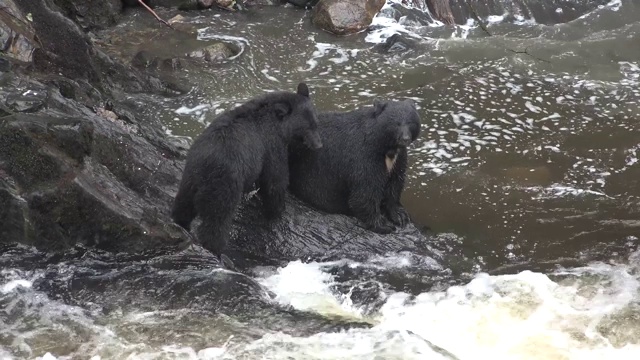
306,287
14,284
324,49
187,110
4,354
523,316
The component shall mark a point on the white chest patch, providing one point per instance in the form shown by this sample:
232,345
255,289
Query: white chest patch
390,161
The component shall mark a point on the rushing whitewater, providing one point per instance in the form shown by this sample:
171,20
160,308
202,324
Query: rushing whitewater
527,172
580,313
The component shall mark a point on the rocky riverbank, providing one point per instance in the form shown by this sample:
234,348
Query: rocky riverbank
80,164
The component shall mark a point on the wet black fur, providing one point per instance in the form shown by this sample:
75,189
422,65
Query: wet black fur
349,175
241,147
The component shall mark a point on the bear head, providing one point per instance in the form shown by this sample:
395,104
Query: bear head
298,117
397,122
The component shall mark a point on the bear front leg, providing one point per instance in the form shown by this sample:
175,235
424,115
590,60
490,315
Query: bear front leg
393,190
364,203
273,187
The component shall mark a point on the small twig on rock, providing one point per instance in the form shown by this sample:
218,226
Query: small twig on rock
526,52
154,13
476,17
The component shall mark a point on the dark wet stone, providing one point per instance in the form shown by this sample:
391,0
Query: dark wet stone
5,65
67,50
264,2
396,43
343,17
303,3
89,178
27,101
144,60
304,232
92,14
203,4
16,33
13,210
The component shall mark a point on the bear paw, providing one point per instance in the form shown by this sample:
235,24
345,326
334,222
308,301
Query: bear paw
399,216
227,263
380,227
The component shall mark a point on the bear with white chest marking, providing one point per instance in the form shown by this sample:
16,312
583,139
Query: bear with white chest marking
360,171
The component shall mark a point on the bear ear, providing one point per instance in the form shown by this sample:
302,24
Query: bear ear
303,89
378,106
281,110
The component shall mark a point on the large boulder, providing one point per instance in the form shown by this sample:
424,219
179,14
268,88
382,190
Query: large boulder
81,176
343,17
306,233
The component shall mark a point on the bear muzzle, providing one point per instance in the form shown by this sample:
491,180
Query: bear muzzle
404,139
312,140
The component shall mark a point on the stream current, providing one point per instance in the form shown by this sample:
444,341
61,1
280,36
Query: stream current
527,163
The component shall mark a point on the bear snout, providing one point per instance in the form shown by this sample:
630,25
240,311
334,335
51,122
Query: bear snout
404,138
312,140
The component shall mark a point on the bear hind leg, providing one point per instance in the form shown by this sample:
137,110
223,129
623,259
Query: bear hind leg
216,206
183,211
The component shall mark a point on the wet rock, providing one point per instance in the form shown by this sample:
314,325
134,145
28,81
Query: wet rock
205,4
67,50
343,17
265,2
304,232
16,33
92,14
395,43
5,65
13,210
26,101
145,60
213,53
440,9
307,4
84,177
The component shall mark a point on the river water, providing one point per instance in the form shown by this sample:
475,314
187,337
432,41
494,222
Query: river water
527,162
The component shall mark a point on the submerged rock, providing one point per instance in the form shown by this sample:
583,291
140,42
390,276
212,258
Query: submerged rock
395,43
343,17
213,53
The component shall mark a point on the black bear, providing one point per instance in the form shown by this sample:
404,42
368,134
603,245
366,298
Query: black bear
360,170
243,147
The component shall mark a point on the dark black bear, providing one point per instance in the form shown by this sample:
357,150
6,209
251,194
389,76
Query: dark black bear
243,147
360,170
